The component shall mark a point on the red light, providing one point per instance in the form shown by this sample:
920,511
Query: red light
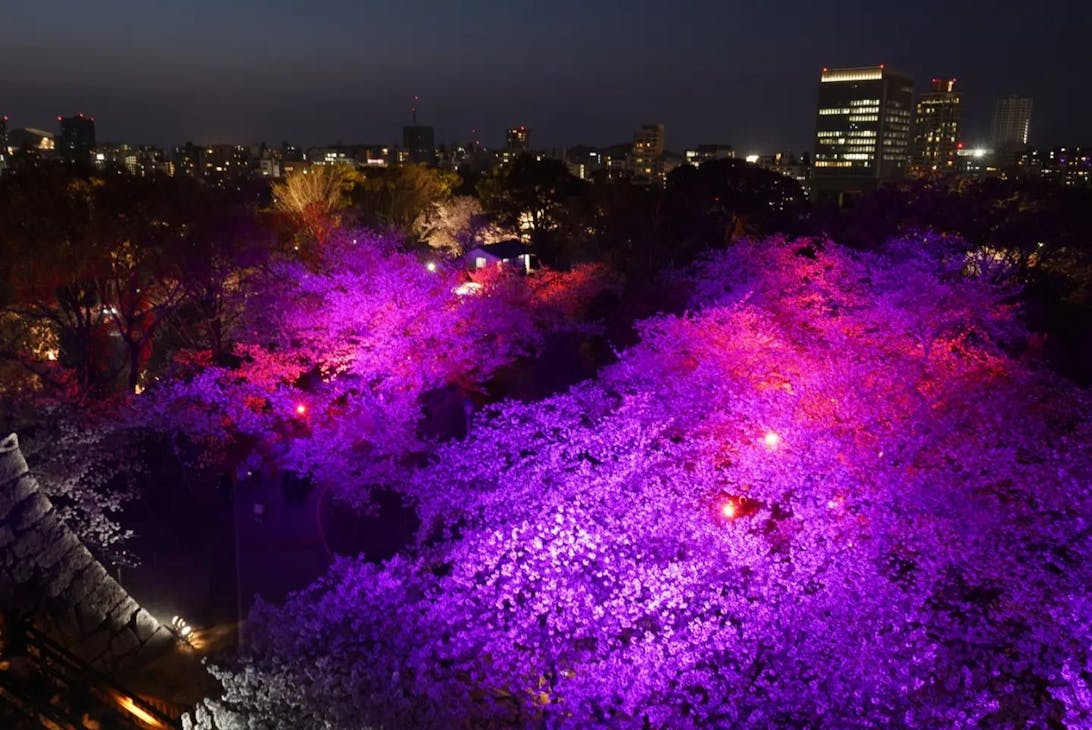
959,146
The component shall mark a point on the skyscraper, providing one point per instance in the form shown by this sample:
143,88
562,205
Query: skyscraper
936,128
518,139
862,131
1011,123
647,157
76,143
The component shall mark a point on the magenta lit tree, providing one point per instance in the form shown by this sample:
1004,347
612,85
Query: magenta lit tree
837,492
337,355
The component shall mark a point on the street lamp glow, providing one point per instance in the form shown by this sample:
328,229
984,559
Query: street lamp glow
771,440
431,266
301,409
728,509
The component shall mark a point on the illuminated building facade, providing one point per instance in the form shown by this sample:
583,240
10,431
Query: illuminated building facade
936,128
647,155
1011,125
225,161
138,160
862,131
76,143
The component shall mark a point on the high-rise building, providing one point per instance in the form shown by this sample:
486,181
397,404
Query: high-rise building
1011,124
518,139
862,131
76,144
420,143
647,156
187,160
936,128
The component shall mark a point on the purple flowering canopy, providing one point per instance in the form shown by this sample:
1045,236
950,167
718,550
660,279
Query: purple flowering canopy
840,491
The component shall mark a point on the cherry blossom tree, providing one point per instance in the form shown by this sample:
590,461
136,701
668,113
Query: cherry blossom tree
86,463
338,355
455,225
838,491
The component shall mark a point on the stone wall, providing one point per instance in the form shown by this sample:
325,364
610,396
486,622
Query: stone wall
47,574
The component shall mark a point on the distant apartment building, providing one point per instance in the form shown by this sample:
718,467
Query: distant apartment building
291,153
975,162
225,161
76,142
1067,166
787,164
1011,127
862,131
936,129
186,160
518,139
706,152
646,161
356,155
1070,166
138,160
31,143
419,144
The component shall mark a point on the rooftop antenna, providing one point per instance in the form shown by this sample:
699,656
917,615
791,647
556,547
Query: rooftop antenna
413,109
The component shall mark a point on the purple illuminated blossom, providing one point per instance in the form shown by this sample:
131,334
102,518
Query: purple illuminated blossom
338,354
919,557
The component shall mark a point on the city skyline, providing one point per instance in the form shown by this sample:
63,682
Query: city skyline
711,73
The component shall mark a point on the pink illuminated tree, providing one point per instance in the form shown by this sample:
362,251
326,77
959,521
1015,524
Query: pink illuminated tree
337,356
838,491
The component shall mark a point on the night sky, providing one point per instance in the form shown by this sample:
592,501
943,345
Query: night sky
588,71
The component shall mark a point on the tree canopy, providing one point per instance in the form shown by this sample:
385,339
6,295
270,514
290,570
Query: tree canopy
838,491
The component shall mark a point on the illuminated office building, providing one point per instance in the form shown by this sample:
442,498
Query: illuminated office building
936,128
862,131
